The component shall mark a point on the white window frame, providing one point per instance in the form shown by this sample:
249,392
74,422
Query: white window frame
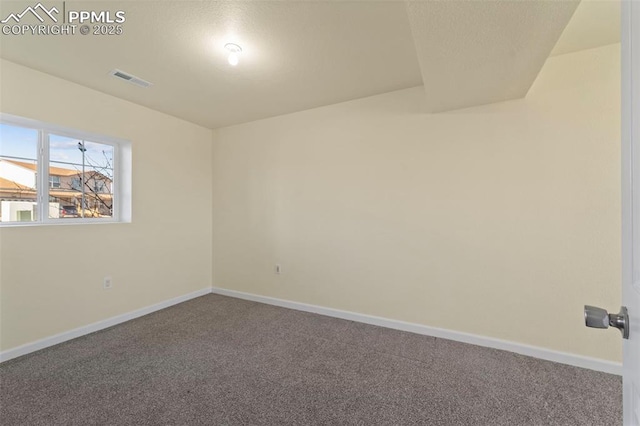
52,182
121,185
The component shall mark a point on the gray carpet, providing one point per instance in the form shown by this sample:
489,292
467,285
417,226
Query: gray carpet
221,361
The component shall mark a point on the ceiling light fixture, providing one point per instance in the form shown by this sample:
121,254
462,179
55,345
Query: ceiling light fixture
234,53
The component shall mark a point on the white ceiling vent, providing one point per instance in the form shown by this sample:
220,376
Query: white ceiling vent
130,78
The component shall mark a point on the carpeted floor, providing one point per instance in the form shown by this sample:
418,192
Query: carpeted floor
216,360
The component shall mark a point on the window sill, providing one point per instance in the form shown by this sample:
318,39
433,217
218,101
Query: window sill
61,223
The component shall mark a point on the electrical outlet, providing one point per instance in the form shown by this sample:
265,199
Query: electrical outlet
278,270
107,284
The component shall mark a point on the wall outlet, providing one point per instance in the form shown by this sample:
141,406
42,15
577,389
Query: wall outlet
277,269
107,284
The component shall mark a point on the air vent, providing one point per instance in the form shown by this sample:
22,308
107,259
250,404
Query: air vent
130,78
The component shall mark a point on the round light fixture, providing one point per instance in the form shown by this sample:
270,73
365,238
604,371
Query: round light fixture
234,53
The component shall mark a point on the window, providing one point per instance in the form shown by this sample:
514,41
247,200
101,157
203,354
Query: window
50,174
54,181
75,184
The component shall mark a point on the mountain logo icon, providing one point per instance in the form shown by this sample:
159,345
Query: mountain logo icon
34,11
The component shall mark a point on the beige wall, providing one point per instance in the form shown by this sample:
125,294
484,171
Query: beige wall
500,220
51,276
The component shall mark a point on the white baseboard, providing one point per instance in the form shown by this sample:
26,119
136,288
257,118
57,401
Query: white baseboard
96,326
533,351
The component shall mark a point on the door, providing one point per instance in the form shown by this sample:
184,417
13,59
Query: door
631,207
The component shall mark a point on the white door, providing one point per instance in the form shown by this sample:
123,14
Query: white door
631,207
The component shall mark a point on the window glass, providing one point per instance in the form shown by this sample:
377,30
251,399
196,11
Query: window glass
18,173
85,173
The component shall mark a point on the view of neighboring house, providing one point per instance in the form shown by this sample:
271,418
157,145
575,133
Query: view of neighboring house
18,182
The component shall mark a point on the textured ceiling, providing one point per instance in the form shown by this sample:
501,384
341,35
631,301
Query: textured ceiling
296,55
304,54
474,53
